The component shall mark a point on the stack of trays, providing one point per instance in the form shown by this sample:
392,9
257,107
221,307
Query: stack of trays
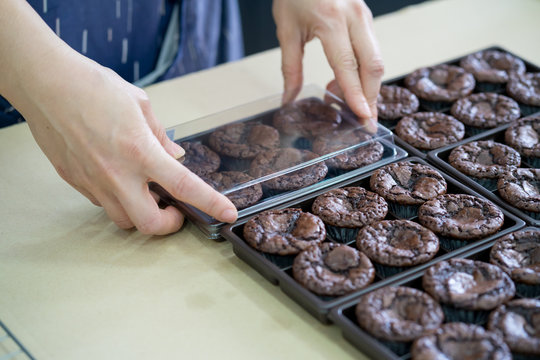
278,269
300,130
487,188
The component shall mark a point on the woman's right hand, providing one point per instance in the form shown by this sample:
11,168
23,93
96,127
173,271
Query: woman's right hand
98,131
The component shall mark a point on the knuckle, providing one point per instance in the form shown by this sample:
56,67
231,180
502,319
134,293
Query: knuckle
371,99
360,9
134,146
94,201
124,223
376,67
111,175
183,185
282,34
345,61
356,90
150,226
161,135
63,174
290,71
329,9
142,96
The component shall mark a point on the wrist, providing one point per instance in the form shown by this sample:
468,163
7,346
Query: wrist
33,60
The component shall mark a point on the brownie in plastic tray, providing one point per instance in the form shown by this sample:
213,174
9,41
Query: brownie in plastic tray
278,269
425,106
486,187
262,154
344,315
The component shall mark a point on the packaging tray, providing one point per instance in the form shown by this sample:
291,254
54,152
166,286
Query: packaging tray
262,112
278,269
440,156
469,131
344,316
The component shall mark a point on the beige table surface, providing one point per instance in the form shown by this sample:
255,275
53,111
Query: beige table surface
73,286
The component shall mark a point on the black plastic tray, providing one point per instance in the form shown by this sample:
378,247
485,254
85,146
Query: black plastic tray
469,131
277,269
439,157
210,227
344,315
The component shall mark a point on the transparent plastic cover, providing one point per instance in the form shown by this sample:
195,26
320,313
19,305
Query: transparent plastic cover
264,152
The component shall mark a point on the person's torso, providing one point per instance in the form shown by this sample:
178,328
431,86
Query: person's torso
124,35
143,40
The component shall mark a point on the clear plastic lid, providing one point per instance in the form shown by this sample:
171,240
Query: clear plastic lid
263,153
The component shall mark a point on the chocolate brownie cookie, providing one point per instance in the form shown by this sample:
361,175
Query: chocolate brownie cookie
492,66
521,188
468,284
199,158
398,313
461,216
484,159
430,130
349,207
308,117
407,183
244,140
276,160
332,269
284,232
394,102
518,323
485,110
524,136
440,83
518,254
226,180
460,341
525,88
397,242
368,153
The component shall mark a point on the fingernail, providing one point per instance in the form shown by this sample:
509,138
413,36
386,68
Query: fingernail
371,125
364,109
229,216
178,151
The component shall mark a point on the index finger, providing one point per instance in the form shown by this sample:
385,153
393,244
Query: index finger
189,188
342,58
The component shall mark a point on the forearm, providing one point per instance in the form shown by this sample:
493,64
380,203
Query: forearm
33,60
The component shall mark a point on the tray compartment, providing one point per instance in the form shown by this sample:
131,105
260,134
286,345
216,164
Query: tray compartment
469,131
344,316
440,156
